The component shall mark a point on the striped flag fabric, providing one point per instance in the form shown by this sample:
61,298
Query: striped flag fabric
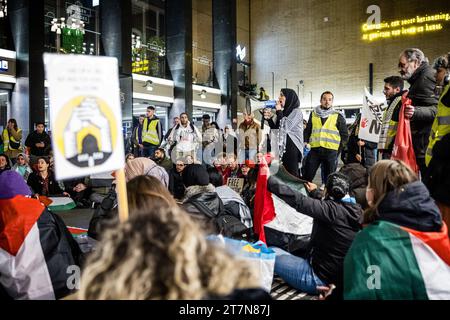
36,250
390,262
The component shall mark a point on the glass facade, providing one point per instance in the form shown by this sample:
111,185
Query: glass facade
202,46
5,34
72,26
148,39
4,102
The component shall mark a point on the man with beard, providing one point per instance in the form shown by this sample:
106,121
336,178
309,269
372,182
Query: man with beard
186,138
414,68
393,91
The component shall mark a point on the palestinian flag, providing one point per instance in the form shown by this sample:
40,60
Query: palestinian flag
36,251
390,262
272,214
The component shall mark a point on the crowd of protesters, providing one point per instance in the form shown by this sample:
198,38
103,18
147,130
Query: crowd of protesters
191,182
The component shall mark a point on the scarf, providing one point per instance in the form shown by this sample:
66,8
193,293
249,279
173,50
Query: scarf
292,122
387,116
324,113
145,167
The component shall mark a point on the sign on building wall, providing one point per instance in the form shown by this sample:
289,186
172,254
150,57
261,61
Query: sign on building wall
375,28
85,114
371,118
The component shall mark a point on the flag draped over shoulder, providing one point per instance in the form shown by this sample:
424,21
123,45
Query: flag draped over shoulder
390,262
36,250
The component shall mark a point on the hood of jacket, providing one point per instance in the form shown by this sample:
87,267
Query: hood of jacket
411,207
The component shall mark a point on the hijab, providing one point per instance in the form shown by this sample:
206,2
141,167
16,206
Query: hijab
292,101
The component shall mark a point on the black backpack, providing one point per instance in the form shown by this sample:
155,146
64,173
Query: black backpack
226,224
231,227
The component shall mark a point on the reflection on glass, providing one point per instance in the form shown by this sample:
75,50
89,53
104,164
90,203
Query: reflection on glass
72,26
148,39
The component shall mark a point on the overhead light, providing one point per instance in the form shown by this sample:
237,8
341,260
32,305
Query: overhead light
148,85
202,94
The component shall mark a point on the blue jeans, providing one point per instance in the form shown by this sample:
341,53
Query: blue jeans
296,271
149,151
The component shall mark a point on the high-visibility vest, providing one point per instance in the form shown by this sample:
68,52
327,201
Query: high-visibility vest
149,132
6,138
327,135
441,126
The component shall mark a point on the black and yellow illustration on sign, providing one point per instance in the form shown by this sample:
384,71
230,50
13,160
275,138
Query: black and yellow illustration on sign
86,131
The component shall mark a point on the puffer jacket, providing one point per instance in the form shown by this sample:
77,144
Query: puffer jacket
421,93
411,207
204,205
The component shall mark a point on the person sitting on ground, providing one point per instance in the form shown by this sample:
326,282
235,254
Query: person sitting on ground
139,188
129,156
221,165
201,199
79,191
100,185
232,201
36,248
5,163
358,177
337,220
176,186
22,167
235,170
162,160
250,174
160,253
43,182
145,167
403,252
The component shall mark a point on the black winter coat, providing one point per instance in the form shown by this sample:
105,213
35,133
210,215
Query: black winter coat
421,92
36,183
335,226
204,207
411,207
34,138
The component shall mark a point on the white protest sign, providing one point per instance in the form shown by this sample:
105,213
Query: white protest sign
85,114
237,184
371,118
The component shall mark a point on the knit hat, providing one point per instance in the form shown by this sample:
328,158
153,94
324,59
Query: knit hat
195,175
338,185
12,184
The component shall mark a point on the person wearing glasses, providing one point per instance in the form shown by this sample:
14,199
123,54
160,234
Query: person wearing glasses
414,68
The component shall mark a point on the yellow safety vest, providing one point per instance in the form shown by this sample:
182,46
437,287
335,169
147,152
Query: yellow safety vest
6,146
441,126
149,132
327,135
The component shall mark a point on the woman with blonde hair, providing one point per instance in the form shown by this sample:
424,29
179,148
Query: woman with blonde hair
404,251
160,253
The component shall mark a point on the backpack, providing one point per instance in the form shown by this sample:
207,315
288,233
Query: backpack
226,224
231,227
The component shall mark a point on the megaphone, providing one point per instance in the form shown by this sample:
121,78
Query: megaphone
250,104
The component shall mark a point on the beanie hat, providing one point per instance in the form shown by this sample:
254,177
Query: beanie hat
12,184
338,185
195,175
